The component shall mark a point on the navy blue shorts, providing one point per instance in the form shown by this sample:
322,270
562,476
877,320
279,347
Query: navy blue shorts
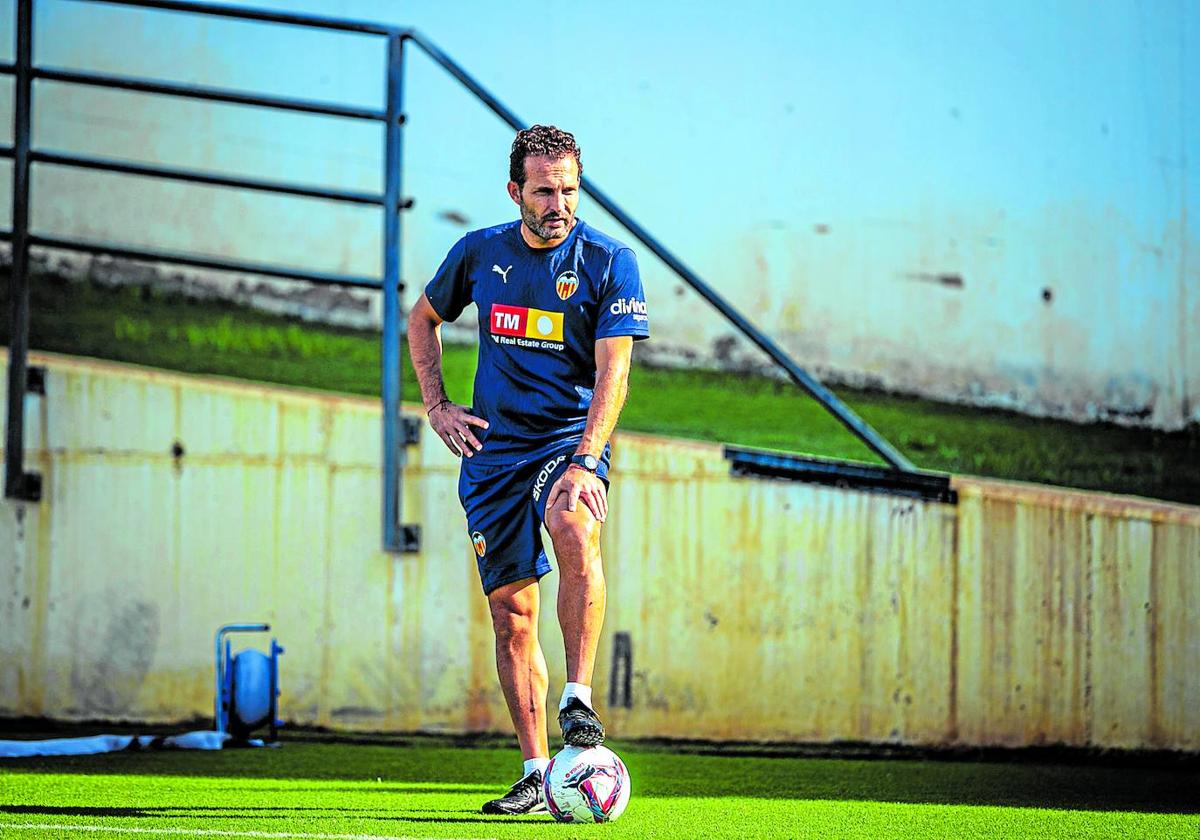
506,505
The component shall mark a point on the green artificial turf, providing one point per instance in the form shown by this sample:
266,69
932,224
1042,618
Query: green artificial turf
152,328
428,788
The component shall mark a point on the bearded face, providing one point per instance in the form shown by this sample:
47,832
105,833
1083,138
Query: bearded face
547,199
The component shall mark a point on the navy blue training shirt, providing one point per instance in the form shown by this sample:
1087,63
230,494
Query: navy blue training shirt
540,314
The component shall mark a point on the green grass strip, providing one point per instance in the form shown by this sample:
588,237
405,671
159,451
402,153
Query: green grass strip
168,331
414,790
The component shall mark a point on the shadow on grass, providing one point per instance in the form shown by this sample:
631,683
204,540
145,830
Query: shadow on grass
208,812
432,770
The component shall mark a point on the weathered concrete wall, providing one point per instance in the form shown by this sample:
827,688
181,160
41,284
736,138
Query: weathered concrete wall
755,609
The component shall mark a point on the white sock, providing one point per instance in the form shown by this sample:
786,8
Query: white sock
532,764
583,692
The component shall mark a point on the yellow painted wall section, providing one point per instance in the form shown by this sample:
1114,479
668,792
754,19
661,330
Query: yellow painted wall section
756,609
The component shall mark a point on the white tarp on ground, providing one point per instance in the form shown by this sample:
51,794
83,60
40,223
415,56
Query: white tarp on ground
201,740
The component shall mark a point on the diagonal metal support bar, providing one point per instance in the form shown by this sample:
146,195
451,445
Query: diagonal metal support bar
857,426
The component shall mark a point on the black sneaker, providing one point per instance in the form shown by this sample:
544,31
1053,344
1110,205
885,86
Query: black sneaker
525,797
580,726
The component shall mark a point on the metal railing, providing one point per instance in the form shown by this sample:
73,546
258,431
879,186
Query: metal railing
396,433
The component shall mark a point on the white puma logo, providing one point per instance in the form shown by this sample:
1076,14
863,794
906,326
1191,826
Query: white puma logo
503,273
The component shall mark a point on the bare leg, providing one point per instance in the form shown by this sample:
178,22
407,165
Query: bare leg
581,589
520,663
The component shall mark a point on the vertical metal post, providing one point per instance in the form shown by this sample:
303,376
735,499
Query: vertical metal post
17,483
396,537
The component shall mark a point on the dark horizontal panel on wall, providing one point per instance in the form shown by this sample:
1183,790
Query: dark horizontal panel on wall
934,487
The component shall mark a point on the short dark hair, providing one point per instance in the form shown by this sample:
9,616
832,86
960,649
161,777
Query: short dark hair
537,141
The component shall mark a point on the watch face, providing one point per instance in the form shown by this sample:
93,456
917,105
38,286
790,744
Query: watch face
590,462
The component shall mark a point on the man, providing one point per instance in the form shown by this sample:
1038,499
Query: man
560,305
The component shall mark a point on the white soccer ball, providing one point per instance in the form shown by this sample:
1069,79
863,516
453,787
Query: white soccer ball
586,784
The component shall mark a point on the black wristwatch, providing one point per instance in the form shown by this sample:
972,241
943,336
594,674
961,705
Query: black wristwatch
588,462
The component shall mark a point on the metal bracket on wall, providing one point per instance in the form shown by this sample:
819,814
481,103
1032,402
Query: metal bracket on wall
410,430
35,380
410,435
29,489
620,676
410,539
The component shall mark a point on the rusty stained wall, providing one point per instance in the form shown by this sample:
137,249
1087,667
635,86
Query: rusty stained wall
1077,618
755,609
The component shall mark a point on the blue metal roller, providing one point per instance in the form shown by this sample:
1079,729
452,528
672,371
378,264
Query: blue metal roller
247,685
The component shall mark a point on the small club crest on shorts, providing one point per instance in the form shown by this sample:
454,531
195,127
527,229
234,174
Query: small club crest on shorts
479,542
566,284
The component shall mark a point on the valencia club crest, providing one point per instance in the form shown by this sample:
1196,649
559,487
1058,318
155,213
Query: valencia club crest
480,543
566,284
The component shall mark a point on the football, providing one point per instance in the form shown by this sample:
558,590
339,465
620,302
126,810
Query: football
586,784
